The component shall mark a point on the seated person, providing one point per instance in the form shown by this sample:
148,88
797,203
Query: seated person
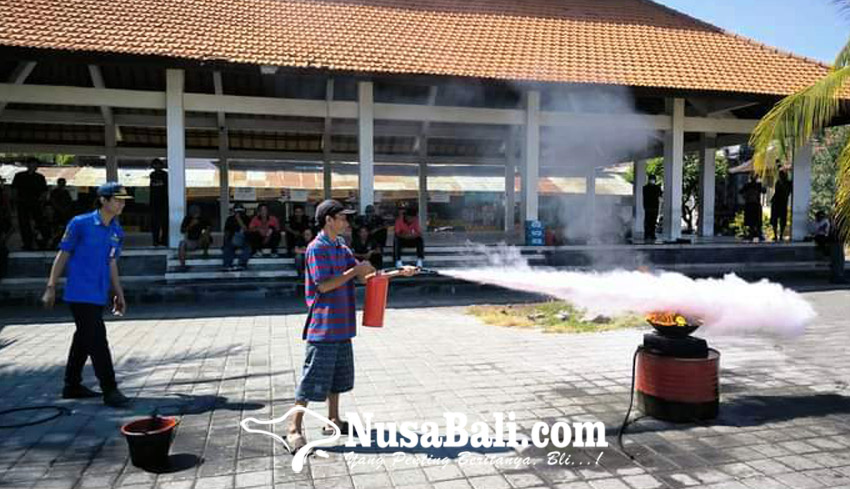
295,226
236,239
366,248
376,225
264,231
300,249
196,229
408,235
50,229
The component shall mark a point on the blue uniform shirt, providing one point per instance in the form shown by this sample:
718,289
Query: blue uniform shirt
91,244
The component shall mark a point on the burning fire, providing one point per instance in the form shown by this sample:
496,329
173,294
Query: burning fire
667,318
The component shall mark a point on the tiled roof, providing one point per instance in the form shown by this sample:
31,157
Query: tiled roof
621,42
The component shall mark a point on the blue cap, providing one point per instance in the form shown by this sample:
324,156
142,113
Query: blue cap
113,189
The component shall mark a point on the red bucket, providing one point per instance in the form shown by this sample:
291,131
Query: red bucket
149,440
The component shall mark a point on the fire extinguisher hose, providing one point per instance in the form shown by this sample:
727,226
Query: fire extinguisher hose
626,421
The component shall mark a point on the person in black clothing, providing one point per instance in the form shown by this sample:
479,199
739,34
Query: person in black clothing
235,239
30,187
366,248
836,251
196,229
62,203
295,227
752,192
651,201
779,205
6,227
159,203
50,229
376,225
301,244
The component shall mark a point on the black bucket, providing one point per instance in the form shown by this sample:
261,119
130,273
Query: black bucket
149,440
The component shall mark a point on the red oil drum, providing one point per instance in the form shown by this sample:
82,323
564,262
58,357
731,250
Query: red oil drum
677,389
377,287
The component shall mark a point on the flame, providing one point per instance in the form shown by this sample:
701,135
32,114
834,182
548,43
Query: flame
666,318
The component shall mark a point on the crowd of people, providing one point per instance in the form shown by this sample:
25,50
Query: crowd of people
264,233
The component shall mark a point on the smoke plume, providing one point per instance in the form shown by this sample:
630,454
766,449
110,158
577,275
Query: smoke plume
729,305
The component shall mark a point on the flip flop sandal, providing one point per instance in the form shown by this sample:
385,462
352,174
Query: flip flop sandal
343,429
296,441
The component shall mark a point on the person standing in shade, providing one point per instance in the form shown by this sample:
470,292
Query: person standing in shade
836,250
159,203
90,248
62,202
328,368
651,202
6,227
779,205
29,187
752,192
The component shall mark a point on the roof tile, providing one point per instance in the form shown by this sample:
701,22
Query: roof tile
621,42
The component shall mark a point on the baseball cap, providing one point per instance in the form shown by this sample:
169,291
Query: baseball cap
238,208
330,207
113,189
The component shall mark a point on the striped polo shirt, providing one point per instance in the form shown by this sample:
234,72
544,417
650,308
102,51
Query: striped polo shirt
333,316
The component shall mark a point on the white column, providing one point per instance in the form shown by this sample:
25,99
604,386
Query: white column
531,176
422,151
176,135
510,180
223,163
223,175
590,204
674,159
110,133
637,189
423,195
707,165
802,192
111,161
365,138
327,166
224,185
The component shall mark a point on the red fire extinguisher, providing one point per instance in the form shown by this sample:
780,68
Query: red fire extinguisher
377,287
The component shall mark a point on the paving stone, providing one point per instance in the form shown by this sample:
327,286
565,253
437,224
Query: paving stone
643,481
784,424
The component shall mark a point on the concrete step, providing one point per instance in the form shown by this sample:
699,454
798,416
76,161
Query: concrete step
216,261
217,275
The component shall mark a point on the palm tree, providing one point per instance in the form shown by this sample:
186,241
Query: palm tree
797,118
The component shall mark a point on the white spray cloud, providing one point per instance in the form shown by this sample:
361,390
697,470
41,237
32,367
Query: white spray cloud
729,305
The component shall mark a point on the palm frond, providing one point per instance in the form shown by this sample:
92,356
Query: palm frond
796,118
843,58
842,193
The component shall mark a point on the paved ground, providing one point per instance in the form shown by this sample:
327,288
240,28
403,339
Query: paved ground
784,422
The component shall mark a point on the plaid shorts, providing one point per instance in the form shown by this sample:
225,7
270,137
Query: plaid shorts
328,368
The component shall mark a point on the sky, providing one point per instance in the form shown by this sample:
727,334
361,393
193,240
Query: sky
813,28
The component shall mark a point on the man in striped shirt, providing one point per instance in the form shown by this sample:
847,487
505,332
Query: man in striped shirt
328,367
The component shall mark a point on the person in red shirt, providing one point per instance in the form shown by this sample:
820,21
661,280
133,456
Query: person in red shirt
408,235
264,231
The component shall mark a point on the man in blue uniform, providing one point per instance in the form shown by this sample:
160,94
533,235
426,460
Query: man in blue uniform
90,248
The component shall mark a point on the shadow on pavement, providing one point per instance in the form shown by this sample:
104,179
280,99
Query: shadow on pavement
749,411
